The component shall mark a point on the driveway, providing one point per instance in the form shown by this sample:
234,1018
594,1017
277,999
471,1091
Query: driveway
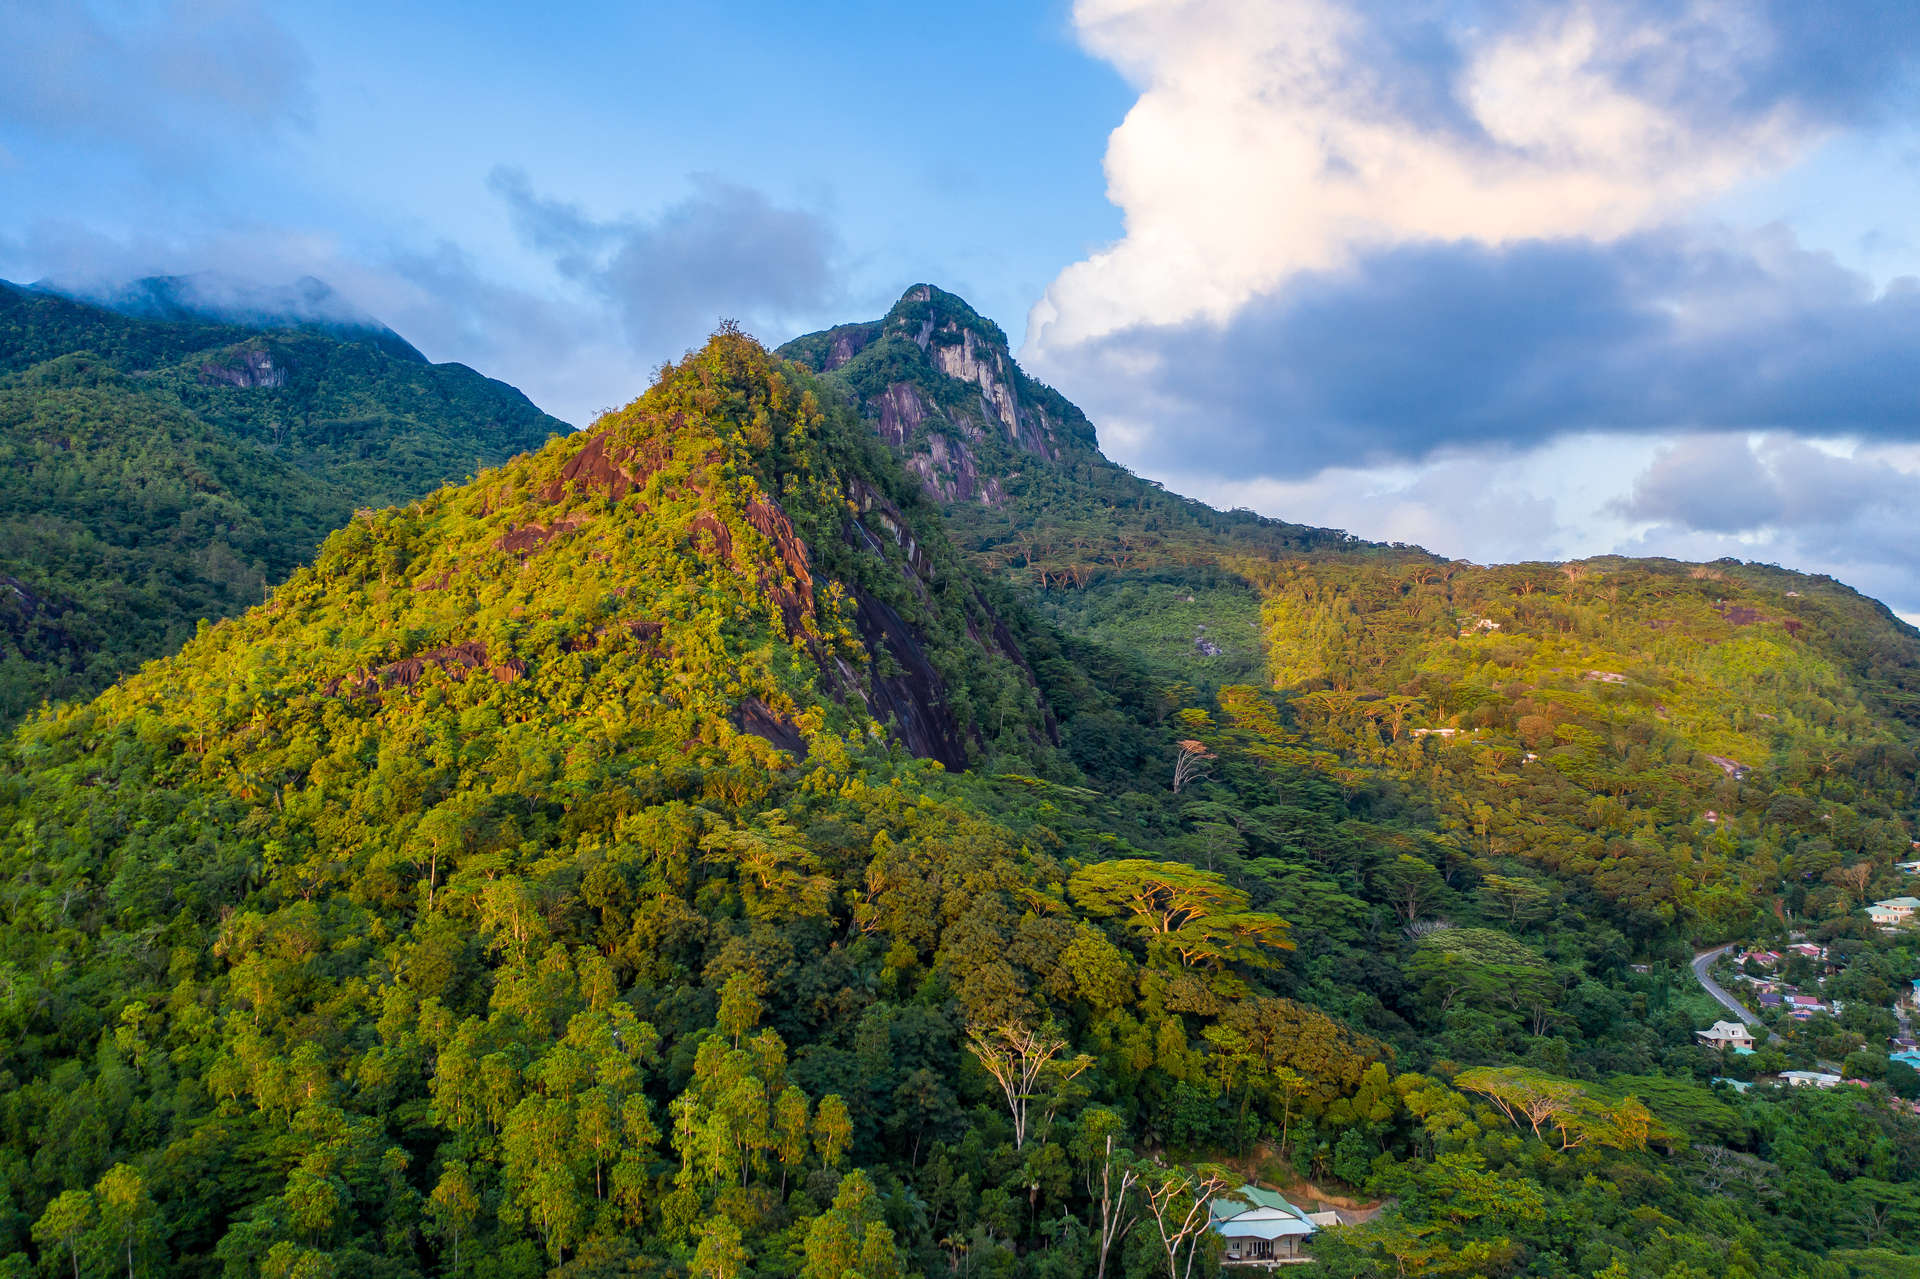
1701,962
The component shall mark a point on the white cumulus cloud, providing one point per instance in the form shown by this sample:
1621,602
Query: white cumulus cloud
1276,136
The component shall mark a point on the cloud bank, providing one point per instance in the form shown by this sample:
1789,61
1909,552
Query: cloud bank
1425,347
1379,248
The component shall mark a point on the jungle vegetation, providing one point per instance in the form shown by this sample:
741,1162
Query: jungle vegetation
693,849
157,472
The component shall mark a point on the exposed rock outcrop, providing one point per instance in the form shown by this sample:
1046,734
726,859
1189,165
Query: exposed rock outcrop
756,717
246,367
914,701
939,384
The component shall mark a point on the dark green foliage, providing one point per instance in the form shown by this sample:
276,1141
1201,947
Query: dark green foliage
154,473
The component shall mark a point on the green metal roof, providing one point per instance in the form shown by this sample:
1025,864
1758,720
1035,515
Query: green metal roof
1247,1199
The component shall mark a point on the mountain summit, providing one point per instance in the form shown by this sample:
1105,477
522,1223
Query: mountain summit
941,386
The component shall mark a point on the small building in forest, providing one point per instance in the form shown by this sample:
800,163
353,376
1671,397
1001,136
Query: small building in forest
1894,910
1261,1228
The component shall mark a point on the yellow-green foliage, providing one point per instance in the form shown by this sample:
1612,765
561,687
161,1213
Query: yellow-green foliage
1591,716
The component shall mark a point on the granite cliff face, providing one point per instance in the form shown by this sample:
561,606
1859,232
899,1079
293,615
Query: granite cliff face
938,383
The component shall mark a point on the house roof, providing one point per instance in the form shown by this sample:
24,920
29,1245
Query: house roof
1900,903
1724,1031
1263,1223
1253,1213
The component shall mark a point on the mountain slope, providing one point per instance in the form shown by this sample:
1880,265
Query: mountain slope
160,471
1562,717
1026,491
543,882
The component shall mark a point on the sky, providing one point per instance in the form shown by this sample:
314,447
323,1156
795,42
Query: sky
1510,279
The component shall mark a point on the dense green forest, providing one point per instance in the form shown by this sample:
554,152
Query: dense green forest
697,848
154,472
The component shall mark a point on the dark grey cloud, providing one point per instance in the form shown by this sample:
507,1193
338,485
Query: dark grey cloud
1737,484
155,76
1426,347
1782,499
1709,483
723,251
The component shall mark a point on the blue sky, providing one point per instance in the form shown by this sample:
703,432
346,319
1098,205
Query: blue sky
1509,278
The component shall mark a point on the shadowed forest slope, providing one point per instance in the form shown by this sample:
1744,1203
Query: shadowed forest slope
157,471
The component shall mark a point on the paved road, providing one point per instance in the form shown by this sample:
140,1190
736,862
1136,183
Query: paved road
1712,987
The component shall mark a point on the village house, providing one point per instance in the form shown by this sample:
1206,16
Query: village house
1809,1079
1907,868
1725,1035
1803,1007
1262,1229
1893,911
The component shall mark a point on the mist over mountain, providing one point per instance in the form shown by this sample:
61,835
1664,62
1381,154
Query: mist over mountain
216,298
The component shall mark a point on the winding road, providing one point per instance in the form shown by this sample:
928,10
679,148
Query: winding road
1701,962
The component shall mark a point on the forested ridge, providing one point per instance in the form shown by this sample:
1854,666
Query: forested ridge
156,471
699,848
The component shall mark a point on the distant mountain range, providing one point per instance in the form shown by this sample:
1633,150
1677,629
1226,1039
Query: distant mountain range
171,454
209,297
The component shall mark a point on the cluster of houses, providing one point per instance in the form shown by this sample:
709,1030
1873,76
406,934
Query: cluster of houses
1733,1037
1771,993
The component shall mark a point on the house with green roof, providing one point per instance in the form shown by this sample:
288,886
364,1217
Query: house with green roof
1261,1228
1893,911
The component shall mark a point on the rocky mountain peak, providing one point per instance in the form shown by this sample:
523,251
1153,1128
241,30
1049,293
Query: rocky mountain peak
937,380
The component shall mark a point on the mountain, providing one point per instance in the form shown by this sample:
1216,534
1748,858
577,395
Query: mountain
1027,491
167,465
1582,717
1017,465
690,849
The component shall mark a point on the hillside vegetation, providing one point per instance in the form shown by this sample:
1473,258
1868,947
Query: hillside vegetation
157,472
669,853
1703,745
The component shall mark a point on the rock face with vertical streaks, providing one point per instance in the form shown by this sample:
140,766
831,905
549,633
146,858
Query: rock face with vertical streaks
938,383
